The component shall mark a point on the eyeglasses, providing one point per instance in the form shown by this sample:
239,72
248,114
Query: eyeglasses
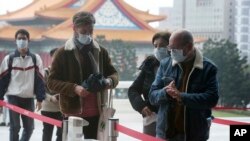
169,48
173,49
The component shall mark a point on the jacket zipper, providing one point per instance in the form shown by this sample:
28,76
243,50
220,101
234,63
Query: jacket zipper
185,106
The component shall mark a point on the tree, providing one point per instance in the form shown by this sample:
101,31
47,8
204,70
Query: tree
123,56
233,78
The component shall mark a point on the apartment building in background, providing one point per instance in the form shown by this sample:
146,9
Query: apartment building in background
204,18
242,27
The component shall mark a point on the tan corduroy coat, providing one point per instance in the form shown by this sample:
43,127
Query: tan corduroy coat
66,73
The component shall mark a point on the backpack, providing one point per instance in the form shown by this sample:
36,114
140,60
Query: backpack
33,56
6,80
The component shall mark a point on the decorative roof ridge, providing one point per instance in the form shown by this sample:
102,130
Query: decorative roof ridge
151,17
30,9
131,16
45,14
21,9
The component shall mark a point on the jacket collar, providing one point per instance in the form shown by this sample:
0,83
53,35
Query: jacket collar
198,62
17,53
70,45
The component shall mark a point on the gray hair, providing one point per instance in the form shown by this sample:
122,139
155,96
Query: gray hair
185,36
83,17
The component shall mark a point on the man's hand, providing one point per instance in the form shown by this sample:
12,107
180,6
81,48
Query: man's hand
38,106
173,92
108,83
146,111
80,91
54,98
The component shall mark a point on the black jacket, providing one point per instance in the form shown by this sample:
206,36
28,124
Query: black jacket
142,84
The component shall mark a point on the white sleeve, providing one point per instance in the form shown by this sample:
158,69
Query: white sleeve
4,65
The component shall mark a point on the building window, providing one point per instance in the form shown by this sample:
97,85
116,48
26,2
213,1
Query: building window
204,3
243,47
245,12
246,3
244,21
244,38
244,29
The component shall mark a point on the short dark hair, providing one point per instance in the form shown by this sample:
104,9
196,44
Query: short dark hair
165,35
52,52
24,32
83,17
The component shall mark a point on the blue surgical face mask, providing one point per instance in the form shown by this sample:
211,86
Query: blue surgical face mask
160,53
84,39
177,55
22,43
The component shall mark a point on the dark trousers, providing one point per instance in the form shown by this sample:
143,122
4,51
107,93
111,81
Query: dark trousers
150,129
178,137
90,131
48,128
28,123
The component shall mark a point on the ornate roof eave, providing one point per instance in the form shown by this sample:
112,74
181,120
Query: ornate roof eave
125,35
60,13
92,6
130,14
88,6
8,32
200,40
144,15
29,10
64,30
62,4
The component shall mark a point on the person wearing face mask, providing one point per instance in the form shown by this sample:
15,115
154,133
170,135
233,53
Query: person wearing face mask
21,78
185,88
142,83
81,73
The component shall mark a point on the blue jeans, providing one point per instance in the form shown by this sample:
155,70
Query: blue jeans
28,123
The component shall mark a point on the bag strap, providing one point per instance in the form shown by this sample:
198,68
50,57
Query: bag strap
33,56
110,98
11,57
10,62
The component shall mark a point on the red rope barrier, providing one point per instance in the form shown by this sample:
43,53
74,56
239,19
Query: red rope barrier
229,122
31,114
135,134
120,128
230,108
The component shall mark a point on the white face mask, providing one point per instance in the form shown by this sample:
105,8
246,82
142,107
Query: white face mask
160,53
84,39
22,43
177,55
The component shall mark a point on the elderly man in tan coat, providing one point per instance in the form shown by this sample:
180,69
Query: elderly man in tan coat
82,72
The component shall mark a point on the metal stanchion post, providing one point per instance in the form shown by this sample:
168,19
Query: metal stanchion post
65,130
113,134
